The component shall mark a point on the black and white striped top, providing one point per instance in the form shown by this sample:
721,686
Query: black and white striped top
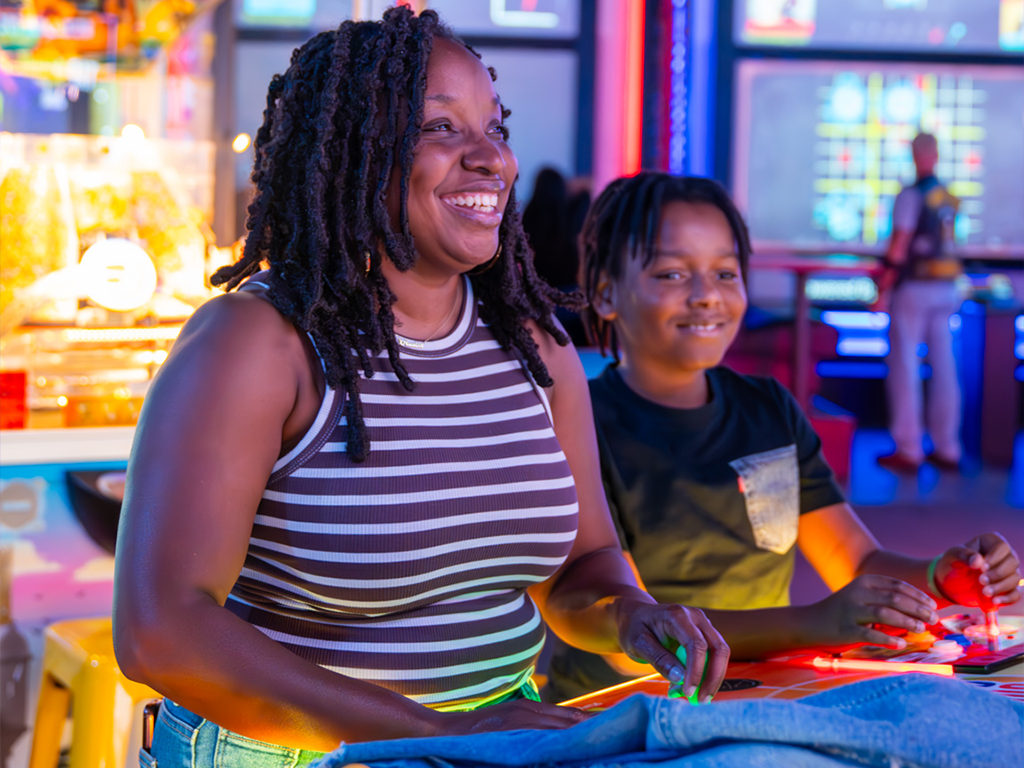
410,569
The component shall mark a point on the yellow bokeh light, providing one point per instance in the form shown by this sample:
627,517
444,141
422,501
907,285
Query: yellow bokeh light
132,132
159,356
241,142
62,401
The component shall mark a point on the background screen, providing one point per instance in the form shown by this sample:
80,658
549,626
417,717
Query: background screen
822,148
940,26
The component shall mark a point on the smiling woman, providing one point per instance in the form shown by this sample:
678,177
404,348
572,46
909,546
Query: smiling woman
364,481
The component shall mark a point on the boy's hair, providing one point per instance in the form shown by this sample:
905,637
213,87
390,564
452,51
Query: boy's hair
623,224
343,118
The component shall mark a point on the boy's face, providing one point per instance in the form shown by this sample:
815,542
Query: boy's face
683,310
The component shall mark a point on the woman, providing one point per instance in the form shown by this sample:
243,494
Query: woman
349,473
712,477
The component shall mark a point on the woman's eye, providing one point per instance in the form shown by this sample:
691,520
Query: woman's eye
728,274
502,131
438,128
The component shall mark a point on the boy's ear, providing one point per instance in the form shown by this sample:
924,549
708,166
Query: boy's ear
604,299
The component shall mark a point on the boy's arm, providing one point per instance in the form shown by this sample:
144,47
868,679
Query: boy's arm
983,572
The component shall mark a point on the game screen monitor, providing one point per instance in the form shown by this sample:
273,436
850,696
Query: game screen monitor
821,149
939,26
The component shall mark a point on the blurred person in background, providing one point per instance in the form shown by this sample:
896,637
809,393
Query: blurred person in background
552,221
918,287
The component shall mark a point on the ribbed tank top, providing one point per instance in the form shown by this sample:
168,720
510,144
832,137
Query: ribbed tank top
409,570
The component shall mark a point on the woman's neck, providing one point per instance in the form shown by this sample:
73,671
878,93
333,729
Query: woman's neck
425,305
678,389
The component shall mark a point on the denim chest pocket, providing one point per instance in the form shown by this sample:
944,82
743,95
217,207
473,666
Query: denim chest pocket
771,490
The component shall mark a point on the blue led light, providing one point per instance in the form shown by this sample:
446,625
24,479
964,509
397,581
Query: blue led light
850,369
677,90
862,346
868,321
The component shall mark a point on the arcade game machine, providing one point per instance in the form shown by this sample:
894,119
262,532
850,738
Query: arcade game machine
828,96
105,249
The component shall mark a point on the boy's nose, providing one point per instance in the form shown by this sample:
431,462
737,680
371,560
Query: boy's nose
703,291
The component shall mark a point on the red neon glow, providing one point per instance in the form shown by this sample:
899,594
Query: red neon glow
529,5
829,664
632,130
972,159
844,156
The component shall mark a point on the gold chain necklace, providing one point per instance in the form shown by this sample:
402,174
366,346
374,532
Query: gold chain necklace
413,344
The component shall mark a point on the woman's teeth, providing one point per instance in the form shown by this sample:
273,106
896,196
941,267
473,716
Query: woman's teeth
482,202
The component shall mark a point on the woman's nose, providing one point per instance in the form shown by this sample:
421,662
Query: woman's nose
483,155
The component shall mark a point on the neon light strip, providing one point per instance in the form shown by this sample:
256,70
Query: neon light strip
634,66
829,664
620,686
677,91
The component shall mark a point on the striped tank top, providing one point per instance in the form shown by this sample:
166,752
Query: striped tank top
409,570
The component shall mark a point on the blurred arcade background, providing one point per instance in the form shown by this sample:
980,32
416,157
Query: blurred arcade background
125,152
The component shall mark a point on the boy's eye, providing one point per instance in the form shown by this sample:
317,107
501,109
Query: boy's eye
671,275
728,274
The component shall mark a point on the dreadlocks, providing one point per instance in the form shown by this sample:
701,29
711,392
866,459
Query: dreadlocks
338,123
623,223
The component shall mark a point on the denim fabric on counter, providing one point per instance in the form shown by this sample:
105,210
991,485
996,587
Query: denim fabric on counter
906,721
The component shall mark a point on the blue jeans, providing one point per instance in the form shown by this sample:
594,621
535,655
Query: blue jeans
906,720
182,739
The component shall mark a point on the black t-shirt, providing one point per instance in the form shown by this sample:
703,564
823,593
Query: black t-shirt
707,500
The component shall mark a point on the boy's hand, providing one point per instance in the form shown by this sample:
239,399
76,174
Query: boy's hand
849,616
984,572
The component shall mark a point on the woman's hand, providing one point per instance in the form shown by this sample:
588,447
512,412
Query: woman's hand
652,632
509,716
984,572
853,614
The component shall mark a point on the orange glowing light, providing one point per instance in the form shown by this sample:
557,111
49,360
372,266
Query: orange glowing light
828,664
572,702
632,135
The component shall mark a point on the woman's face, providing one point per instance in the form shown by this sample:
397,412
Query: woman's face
683,310
463,169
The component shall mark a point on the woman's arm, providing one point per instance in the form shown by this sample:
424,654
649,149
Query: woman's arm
212,428
593,602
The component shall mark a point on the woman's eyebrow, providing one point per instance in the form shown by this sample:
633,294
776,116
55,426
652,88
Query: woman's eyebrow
445,98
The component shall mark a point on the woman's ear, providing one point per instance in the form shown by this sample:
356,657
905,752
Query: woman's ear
604,302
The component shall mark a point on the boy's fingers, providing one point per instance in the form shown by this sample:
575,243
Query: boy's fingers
873,636
1002,586
1008,598
883,614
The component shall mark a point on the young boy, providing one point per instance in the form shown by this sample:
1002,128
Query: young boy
711,476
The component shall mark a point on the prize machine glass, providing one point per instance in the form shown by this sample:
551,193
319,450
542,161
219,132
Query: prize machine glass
103,252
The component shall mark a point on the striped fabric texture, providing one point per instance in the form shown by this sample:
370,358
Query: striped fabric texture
410,569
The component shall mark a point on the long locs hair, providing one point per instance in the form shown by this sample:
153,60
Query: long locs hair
342,119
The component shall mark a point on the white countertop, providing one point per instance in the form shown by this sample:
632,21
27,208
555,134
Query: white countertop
65,446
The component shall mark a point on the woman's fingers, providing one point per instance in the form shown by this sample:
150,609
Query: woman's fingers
717,659
649,648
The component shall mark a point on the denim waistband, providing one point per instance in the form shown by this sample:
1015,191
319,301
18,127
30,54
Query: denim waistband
186,716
